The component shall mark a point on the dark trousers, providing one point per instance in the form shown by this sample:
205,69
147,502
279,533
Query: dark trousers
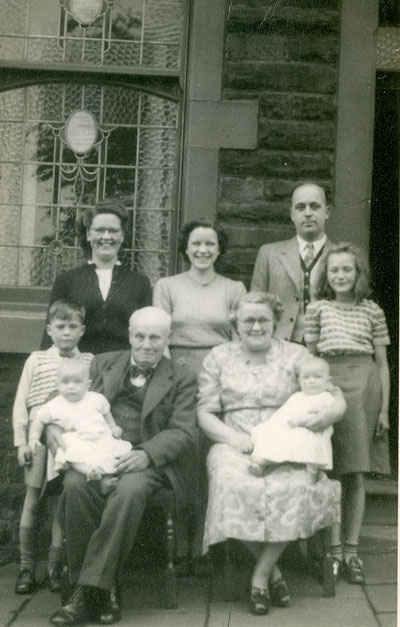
100,531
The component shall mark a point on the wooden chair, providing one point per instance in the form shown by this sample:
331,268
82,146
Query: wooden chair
164,500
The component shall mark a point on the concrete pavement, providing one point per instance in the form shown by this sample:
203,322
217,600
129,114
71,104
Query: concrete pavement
201,601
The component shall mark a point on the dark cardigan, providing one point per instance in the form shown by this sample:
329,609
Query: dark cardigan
106,321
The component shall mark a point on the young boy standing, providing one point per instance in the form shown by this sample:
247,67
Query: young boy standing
38,380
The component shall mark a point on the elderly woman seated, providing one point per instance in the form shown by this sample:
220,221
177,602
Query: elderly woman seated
242,384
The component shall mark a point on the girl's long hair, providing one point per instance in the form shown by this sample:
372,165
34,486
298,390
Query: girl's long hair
362,287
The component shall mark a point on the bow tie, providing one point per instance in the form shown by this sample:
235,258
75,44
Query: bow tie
66,353
137,371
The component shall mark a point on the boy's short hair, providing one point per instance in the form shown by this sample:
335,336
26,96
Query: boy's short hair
65,309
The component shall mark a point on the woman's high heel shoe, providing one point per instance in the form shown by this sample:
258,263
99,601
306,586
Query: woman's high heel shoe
259,601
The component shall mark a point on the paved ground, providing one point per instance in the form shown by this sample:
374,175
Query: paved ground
201,601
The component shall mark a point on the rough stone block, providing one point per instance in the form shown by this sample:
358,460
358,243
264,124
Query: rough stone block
288,135
271,14
318,49
282,190
295,166
255,46
290,77
297,107
238,190
244,238
260,212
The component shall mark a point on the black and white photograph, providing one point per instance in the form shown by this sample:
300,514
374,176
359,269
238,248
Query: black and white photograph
199,312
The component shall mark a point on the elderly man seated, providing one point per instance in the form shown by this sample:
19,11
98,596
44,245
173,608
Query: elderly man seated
152,400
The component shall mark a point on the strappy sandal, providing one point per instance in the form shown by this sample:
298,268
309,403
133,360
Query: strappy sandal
279,592
259,601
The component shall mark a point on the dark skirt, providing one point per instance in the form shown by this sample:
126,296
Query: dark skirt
355,447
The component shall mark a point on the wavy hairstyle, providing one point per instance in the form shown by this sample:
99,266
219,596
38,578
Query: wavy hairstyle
257,298
362,287
108,205
186,230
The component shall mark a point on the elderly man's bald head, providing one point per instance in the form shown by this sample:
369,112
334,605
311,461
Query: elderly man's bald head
149,331
151,315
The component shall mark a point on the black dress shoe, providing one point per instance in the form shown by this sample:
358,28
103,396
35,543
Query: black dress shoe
111,610
76,612
25,583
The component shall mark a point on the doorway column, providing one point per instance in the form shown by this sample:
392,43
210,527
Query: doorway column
350,217
211,122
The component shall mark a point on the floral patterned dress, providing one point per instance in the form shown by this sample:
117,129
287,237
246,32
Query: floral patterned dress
290,501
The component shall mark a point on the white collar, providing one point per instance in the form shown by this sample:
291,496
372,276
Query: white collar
318,244
133,363
92,263
56,351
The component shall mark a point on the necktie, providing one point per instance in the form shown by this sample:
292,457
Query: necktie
309,254
137,371
68,354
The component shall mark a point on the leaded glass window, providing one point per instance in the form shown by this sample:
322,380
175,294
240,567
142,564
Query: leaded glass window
115,33
110,127
64,146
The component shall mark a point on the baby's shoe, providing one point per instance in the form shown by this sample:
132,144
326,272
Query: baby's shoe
25,583
54,577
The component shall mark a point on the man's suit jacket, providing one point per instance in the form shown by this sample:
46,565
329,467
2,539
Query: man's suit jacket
168,418
278,270
106,321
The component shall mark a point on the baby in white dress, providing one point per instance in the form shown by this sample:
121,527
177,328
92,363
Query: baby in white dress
91,439
284,436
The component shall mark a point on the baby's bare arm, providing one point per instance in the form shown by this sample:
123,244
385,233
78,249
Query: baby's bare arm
115,430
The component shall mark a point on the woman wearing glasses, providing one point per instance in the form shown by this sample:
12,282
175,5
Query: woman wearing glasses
242,384
110,292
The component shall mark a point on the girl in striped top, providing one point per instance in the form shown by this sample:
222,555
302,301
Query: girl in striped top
348,330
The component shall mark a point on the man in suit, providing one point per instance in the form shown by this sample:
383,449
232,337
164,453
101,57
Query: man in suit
290,268
153,401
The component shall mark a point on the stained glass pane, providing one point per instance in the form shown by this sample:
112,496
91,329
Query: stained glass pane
124,33
10,173
46,184
14,17
9,224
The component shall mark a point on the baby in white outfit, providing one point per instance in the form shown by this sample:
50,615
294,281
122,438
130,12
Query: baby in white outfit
284,436
91,439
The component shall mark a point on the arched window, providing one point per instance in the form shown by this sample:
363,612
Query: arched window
90,108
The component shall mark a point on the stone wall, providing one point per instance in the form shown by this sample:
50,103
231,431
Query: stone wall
285,54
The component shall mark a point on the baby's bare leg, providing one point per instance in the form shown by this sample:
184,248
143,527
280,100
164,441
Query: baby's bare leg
258,466
108,483
91,473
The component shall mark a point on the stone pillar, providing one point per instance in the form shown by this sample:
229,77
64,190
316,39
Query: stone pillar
350,218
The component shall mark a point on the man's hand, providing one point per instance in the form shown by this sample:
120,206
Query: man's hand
133,461
24,455
34,444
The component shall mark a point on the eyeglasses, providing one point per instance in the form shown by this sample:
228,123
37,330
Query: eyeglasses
250,322
102,231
